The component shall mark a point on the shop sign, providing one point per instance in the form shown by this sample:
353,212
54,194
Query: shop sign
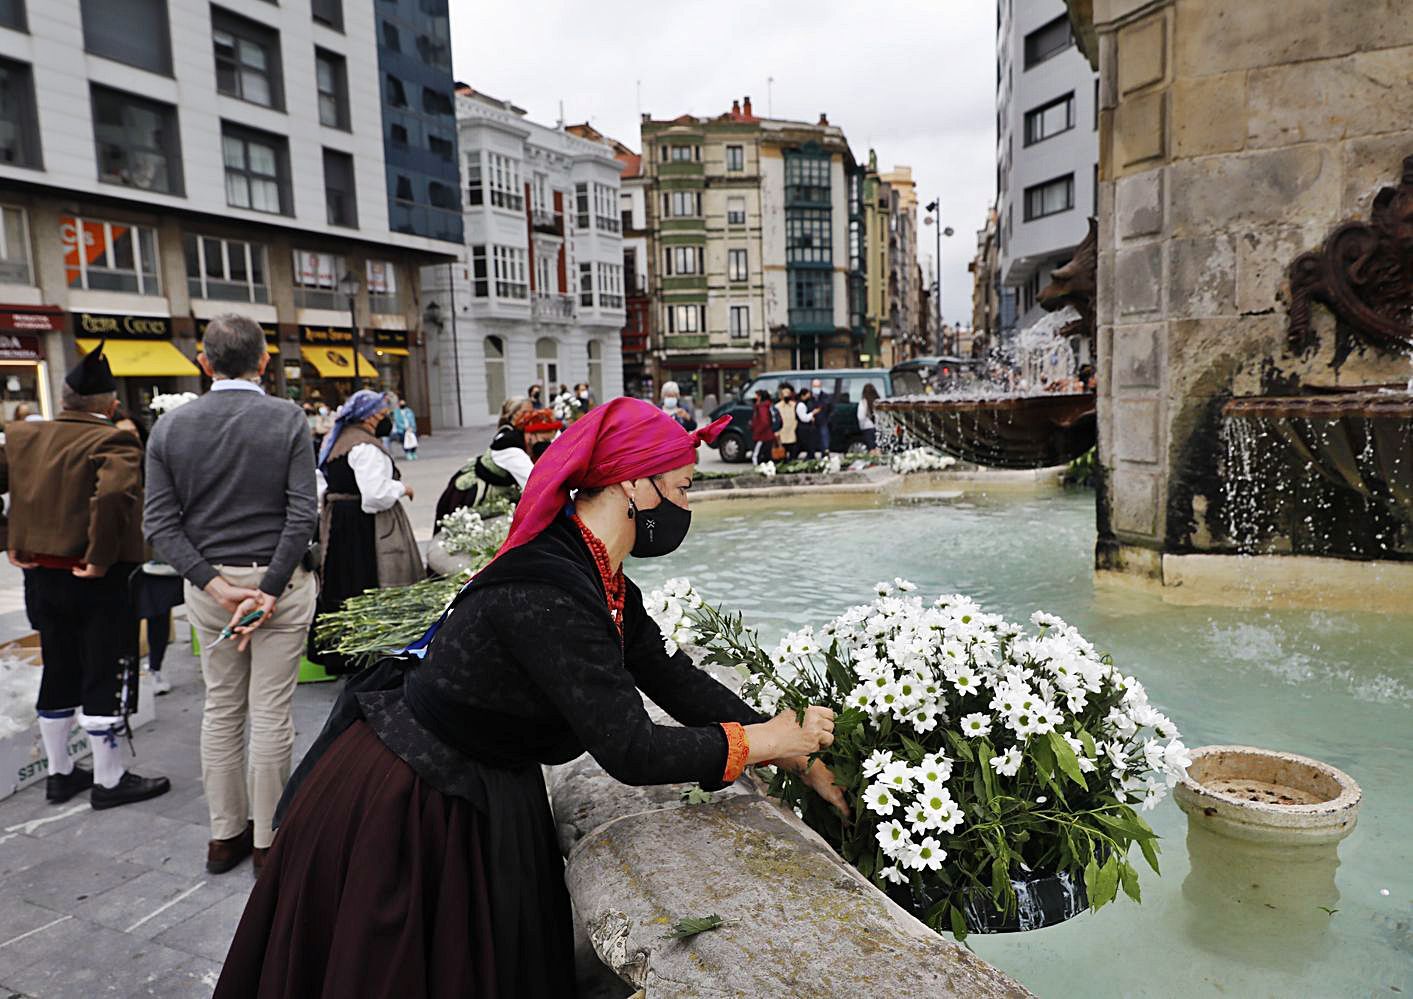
389,338
98,325
34,319
326,336
20,347
272,332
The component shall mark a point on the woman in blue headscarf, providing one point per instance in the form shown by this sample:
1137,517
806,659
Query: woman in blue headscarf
365,537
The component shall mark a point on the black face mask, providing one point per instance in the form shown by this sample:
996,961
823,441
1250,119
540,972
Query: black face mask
384,427
539,448
662,529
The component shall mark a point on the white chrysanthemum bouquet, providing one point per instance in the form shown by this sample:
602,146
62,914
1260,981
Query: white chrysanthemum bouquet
921,459
465,532
979,757
165,402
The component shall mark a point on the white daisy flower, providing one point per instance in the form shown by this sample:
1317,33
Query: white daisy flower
880,799
927,855
1008,763
898,776
877,760
894,874
976,725
894,838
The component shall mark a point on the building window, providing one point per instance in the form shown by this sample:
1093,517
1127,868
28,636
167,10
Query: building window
586,284
686,318
109,256
441,147
437,102
383,297
807,179
547,364
811,298
247,59
682,154
682,204
328,13
130,31
227,270
610,286
391,42
137,142
1049,198
480,281
736,268
475,188
331,74
443,196
505,182
512,280
740,322
735,158
396,92
606,208
808,236
681,260
735,211
596,370
539,194
257,170
1049,119
14,246
340,202
493,348
1050,39
12,14
544,274
316,281
581,205
19,121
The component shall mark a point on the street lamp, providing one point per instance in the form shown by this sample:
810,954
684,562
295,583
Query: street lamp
935,207
348,285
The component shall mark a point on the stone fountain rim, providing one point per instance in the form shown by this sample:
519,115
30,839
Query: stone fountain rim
1383,405
1349,797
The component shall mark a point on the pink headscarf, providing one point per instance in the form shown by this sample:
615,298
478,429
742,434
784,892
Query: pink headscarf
622,440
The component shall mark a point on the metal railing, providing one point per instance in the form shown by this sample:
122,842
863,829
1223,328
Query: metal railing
551,305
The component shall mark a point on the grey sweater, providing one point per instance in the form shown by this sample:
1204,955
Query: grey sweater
230,480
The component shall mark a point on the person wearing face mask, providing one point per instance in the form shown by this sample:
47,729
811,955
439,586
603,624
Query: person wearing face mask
585,396
365,537
498,472
544,655
678,408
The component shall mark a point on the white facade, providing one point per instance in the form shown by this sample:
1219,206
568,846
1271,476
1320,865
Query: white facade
1047,150
539,290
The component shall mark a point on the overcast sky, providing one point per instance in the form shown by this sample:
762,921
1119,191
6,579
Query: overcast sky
913,79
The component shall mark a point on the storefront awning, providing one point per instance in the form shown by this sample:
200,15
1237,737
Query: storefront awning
337,362
143,358
393,352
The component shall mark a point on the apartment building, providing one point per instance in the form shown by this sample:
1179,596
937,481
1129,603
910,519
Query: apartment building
904,275
538,294
164,161
754,254
1047,152
637,268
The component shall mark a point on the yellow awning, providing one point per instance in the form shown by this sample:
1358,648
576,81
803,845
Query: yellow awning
393,351
337,362
143,358
271,347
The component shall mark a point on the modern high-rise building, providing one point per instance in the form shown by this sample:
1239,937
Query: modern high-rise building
1047,148
904,275
538,295
164,161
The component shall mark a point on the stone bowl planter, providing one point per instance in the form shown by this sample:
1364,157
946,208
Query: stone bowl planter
1041,900
1263,796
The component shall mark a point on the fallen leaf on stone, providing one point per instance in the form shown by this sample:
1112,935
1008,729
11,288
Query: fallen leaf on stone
696,796
692,925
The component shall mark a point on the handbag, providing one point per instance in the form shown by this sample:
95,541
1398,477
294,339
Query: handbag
777,453
409,441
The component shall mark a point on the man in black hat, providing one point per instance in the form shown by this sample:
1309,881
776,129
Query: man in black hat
75,524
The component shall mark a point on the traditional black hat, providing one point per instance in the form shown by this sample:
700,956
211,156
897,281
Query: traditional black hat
91,375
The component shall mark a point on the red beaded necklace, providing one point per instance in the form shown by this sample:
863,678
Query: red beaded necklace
614,586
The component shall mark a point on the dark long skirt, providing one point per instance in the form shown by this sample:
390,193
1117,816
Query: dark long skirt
378,885
350,567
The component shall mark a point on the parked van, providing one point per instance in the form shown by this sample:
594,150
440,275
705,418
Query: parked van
842,384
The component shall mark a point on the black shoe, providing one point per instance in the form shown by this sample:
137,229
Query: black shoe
59,788
129,789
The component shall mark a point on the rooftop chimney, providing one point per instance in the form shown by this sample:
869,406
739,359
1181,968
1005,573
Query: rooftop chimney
746,107
823,118
735,109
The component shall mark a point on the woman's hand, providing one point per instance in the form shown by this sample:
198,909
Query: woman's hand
783,736
820,779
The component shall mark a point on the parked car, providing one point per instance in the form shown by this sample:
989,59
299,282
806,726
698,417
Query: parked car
735,441
939,375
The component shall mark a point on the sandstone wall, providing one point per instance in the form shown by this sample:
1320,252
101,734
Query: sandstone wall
1233,136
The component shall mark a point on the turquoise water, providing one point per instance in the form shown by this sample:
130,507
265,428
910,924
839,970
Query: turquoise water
1338,687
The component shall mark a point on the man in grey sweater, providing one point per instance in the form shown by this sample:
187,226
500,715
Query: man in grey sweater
231,505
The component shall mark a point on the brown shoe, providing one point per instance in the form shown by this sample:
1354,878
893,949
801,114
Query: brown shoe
257,858
223,854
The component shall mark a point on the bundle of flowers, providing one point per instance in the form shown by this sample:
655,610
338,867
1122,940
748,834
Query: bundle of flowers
465,532
978,756
567,407
766,468
921,459
19,686
166,402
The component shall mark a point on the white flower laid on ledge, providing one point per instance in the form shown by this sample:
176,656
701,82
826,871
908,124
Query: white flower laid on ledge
921,459
567,407
19,686
976,754
166,402
464,532
766,468
833,463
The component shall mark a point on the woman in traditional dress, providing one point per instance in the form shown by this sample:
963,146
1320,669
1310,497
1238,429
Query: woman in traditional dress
366,540
501,471
417,854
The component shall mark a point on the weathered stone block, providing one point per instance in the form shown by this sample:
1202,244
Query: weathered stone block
1218,357
1140,129
1369,164
1201,277
1263,258
1138,274
1214,36
1104,288
1138,204
1135,497
1137,360
1208,115
1142,53
1297,185
1136,430
1362,94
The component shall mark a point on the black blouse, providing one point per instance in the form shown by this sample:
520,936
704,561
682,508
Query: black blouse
528,669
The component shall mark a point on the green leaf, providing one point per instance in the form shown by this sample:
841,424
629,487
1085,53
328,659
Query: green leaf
1091,880
960,746
1087,741
959,924
1043,756
1064,756
1129,874
1107,883
1150,853
1000,878
913,748
696,796
690,926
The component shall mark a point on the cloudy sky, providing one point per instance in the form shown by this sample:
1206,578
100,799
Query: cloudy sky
913,79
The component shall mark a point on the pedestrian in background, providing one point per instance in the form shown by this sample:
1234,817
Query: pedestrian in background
865,417
677,407
405,430
789,421
764,422
824,404
585,395
323,423
806,430
391,399
75,525
231,506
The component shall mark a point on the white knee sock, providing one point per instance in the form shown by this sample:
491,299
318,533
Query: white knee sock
55,734
107,757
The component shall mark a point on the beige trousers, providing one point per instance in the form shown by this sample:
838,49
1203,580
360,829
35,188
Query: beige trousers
257,684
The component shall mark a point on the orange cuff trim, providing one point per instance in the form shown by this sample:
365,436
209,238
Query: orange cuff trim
738,748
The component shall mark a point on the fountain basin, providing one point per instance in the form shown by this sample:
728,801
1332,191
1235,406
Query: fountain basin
1264,796
1017,432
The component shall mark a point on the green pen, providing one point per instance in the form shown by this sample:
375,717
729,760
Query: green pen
229,630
